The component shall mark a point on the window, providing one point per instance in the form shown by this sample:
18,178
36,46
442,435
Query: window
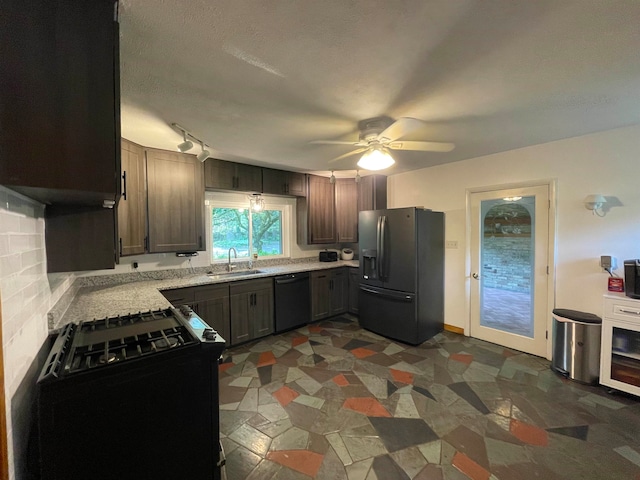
233,224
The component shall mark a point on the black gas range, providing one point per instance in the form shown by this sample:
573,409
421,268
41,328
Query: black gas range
132,397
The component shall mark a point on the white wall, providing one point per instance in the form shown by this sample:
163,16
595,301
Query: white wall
607,163
27,292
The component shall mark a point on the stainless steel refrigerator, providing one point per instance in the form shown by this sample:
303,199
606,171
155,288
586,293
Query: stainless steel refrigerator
401,294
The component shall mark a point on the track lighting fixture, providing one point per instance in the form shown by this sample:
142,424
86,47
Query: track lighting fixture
187,143
332,178
204,154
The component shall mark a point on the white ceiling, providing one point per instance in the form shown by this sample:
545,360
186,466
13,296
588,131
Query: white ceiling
258,80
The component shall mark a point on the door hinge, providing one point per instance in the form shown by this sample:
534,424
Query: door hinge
546,334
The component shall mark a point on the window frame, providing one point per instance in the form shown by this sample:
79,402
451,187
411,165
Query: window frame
236,200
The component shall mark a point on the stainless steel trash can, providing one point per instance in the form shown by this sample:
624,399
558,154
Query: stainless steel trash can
576,345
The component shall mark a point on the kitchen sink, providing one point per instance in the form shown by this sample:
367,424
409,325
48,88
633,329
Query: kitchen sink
239,273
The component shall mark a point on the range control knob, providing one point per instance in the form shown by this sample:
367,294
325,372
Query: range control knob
209,334
186,310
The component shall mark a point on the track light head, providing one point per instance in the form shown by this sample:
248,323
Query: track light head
204,154
186,144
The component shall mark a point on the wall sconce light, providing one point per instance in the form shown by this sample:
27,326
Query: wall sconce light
595,204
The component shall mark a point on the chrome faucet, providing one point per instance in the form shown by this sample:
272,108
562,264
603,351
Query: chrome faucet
230,267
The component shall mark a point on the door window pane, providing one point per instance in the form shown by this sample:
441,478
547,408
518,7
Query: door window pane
507,261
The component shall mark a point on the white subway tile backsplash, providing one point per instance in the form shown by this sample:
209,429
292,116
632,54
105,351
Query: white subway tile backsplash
9,222
26,290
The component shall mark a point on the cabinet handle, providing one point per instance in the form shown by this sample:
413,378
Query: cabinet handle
632,312
124,181
146,244
286,188
330,284
120,243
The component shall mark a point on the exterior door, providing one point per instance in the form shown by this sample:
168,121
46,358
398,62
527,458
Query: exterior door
509,267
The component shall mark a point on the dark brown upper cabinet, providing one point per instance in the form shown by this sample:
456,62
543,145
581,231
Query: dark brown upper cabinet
372,193
175,196
316,215
281,182
60,110
346,210
132,208
223,175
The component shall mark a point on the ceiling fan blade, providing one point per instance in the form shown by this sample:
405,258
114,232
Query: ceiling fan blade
333,142
398,129
422,146
354,152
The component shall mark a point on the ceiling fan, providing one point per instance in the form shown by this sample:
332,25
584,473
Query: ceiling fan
379,135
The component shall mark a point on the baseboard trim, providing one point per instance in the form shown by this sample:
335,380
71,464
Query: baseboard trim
451,328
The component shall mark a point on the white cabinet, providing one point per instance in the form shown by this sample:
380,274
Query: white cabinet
620,352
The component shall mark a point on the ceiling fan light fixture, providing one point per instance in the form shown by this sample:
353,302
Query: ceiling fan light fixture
376,159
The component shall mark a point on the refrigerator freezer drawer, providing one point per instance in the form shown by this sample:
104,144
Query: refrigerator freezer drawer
389,313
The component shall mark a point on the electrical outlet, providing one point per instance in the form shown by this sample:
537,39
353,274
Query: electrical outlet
135,265
451,244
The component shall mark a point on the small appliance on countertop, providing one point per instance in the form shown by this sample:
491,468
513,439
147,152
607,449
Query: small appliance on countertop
632,278
129,397
347,254
328,256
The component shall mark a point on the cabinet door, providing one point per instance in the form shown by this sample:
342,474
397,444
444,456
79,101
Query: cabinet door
354,285
132,208
80,238
60,112
320,295
346,210
241,330
212,304
296,184
262,307
248,178
339,291
176,202
321,217
219,174
274,181
372,193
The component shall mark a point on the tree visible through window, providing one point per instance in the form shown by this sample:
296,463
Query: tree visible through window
231,229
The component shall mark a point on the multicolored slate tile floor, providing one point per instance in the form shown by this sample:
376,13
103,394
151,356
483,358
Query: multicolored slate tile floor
334,401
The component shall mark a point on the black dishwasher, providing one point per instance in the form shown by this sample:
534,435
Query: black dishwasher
293,305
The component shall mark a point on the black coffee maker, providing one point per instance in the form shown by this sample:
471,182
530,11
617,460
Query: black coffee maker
632,278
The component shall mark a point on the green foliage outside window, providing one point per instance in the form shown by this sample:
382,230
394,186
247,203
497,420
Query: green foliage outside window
231,229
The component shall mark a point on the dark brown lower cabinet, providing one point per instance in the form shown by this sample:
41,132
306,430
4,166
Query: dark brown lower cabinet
354,286
251,305
210,302
329,295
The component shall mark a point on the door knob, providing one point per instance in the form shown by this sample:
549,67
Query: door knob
475,275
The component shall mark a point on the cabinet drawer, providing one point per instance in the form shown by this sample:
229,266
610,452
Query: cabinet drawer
626,309
246,286
208,292
179,296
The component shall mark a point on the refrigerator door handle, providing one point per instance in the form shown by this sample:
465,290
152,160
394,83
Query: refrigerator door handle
378,249
395,296
381,250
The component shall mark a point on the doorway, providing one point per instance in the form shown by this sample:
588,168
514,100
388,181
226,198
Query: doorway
509,249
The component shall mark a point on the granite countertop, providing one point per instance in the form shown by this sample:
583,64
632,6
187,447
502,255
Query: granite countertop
125,298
